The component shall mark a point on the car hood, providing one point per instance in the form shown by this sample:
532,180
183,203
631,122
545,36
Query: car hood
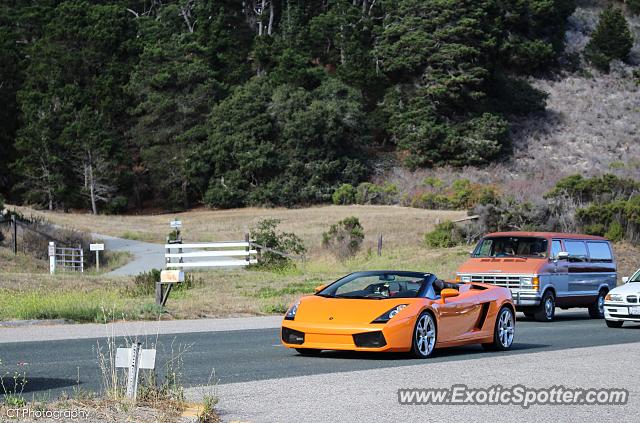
316,309
502,265
627,288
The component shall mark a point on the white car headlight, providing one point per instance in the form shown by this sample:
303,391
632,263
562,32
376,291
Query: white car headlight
614,297
466,279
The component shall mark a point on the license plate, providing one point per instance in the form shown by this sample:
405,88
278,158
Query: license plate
634,310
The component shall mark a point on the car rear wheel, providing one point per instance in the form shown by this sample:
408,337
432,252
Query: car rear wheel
504,331
614,324
596,310
308,351
424,336
547,308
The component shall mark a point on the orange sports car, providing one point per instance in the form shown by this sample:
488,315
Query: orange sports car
399,311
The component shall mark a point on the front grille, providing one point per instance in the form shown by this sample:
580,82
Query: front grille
291,336
369,339
507,281
632,298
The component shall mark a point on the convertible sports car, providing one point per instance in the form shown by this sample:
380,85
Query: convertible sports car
399,311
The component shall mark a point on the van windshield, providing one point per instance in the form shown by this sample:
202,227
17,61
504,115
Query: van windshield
509,246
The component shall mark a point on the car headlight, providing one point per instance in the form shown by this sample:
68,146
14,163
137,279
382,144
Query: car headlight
291,314
465,279
614,297
388,315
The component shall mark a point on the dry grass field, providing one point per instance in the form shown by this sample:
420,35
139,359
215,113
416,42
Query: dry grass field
399,226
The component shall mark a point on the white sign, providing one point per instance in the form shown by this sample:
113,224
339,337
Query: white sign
172,276
96,247
147,358
52,249
176,224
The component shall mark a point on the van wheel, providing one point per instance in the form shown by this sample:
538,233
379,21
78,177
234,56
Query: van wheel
596,310
547,308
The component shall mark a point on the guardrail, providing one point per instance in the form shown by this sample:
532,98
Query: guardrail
200,255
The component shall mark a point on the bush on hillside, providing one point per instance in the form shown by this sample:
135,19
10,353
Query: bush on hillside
445,235
611,40
344,238
345,194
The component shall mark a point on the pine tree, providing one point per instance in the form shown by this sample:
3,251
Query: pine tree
611,40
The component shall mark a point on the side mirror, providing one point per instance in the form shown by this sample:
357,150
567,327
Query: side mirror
563,255
625,279
448,293
319,288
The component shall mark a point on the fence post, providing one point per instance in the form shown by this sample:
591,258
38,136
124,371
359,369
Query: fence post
52,257
15,234
159,293
248,247
81,259
379,244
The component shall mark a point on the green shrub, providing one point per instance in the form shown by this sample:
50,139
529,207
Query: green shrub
633,6
144,283
612,39
368,193
615,232
344,238
595,229
345,194
445,235
266,234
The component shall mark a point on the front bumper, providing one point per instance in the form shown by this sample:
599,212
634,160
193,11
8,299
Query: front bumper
526,297
620,312
392,336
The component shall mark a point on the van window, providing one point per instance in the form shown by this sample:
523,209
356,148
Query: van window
556,247
577,250
512,246
600,252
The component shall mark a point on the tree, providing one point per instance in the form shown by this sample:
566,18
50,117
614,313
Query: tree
611,39
73,81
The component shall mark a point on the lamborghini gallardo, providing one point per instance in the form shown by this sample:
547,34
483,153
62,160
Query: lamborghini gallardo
401,312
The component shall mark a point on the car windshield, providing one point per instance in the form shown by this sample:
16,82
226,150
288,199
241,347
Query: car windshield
635,277
508,246
376,286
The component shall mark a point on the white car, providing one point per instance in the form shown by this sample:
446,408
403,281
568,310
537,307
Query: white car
622,304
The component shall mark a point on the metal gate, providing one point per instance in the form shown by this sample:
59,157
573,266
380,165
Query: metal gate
65,258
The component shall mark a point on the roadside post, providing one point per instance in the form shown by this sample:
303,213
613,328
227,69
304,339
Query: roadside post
134,359
52,257
14,224
97,248
163,288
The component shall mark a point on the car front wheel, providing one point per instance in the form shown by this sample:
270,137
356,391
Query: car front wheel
424,336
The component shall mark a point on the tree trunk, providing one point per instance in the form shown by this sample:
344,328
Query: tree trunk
92,188
271,13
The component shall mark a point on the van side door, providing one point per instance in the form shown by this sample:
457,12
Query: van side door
602,265
580,277
557,275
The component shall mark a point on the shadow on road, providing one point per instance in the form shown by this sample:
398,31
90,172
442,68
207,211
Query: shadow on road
442,354
35,384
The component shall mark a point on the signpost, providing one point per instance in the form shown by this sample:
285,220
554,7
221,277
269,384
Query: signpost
135,358
163,288
52,257
97,248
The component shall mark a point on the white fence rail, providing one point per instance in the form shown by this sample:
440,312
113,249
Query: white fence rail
209,254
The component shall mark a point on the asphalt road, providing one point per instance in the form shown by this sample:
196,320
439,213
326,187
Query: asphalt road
250,355
146,255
